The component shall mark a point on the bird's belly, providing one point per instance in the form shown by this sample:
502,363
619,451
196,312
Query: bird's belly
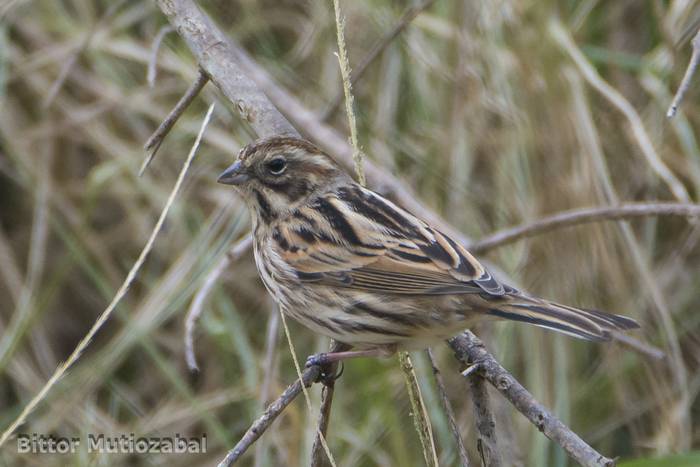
371,320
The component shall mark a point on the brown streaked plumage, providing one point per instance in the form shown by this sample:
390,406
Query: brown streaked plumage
350,264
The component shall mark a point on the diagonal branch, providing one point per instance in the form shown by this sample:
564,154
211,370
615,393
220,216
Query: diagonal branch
309,376
687,77
406,18
470,350
156,139
582,216
449,411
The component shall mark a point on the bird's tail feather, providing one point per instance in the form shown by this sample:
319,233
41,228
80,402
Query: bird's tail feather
582,323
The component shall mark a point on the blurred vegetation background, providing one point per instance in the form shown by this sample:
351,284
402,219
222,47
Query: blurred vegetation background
491,111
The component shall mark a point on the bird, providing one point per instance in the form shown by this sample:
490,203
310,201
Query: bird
350,264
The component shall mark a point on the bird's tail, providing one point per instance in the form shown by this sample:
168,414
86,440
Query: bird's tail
582,323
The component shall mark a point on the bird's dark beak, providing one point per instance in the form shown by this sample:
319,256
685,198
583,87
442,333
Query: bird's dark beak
234,175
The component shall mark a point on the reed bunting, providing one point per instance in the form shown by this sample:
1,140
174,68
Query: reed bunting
350,264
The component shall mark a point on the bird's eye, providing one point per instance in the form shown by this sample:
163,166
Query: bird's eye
277,165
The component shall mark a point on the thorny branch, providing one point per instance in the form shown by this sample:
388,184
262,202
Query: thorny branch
687,77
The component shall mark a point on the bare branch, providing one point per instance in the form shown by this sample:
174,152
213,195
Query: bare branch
378,47
107,313
156,139
470,350
220,61
582,216
421,420
236,251
687,77
309,376
318,454
485,422
153,62
449,412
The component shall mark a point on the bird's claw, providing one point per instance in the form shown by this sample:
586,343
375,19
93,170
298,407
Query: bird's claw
327,376
316,359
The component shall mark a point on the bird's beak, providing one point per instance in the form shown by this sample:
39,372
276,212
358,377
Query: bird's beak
234,175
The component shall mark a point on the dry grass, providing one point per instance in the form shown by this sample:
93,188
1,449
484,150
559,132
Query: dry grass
484,109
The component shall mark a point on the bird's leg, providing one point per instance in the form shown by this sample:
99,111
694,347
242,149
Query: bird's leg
326,358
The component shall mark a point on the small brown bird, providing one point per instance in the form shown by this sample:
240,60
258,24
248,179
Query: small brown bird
350,264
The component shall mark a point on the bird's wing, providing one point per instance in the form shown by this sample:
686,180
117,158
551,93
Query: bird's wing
355,238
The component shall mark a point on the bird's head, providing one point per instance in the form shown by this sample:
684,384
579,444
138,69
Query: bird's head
274,175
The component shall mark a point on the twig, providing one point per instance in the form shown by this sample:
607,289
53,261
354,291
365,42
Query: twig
468,348
484,420
345,72
153,62
318,455
307,398
420,415
273,325
221,63
562,37
73,58
582,216
687,77
449,412
197,305
82,345
257,96
156,139
406,18
643,348
309,376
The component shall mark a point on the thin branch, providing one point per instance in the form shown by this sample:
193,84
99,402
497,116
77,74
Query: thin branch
236,251
309,376
487,444
470,350
590,74
153,62
638,346
273,325
257,96
156,139
318,455
582,216
223,65
449,412
687,78
376,50
420,414
102,319
70,62
345,72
